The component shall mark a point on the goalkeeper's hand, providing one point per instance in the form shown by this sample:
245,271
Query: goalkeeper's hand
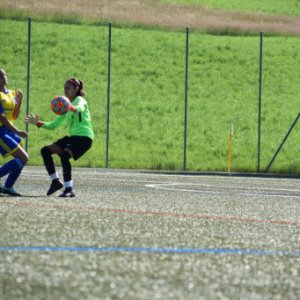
32,119
73,108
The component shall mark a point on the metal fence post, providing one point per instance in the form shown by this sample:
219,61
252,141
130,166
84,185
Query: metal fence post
28,78
108,95
282,143
186,96
259,99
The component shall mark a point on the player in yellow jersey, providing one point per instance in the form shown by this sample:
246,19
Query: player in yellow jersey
10,136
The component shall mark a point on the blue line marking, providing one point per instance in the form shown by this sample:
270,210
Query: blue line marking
147,250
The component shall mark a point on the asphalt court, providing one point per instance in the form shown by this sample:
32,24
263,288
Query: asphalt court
152,236
214,198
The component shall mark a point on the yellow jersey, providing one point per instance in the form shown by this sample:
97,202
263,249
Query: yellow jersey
7,104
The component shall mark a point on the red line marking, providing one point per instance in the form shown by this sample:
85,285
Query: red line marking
140,212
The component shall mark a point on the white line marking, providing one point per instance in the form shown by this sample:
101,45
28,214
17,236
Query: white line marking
165,186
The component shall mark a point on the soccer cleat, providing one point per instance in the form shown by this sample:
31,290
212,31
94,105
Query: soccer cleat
55,186
67,193
11,191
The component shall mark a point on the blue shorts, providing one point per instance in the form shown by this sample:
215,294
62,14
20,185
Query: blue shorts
9,141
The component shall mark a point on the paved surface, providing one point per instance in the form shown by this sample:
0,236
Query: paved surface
136,235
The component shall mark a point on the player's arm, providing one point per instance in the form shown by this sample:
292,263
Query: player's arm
35,120
79,107
18,99
10,126
58,121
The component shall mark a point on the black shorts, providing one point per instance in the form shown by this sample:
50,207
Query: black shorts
77,144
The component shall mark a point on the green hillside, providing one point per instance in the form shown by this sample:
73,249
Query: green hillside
279,7
147,93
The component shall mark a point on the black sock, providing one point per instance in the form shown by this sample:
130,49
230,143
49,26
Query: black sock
66,165
48,160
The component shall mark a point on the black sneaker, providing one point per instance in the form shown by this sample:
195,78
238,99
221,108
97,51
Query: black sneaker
55,186
11,191
67,193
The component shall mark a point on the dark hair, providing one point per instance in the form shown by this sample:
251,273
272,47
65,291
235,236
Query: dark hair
77,83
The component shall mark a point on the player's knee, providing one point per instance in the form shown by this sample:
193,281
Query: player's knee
65,156
45,151
22,156
21,163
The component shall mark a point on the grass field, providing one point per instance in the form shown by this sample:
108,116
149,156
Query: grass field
263,6
133,235
142,235
147,93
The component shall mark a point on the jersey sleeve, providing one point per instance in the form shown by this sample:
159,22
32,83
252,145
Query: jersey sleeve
58,121
80,104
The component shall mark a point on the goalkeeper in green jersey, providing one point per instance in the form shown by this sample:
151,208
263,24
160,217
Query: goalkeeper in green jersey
74,145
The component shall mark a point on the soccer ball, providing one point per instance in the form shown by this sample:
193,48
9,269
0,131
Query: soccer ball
60,105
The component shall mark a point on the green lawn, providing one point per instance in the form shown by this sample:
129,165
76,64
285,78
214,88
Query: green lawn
147,93
291,7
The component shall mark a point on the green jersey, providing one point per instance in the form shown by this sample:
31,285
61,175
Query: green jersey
79,122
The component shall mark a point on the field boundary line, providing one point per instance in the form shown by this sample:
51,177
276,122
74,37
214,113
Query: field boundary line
142,212
148,250
164,186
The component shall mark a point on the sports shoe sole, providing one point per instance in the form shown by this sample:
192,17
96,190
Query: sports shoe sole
11,193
